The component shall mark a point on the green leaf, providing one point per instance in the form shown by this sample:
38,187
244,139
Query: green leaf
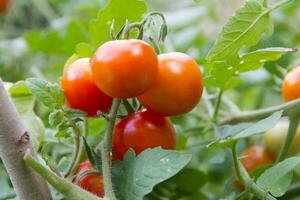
277,178
48,93
73,114
24,102
84,50
95,160
56,117
256,59
136,176
244,29
119,11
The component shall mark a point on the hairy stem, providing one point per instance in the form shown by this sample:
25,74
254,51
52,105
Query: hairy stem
14,140
294,122
105,148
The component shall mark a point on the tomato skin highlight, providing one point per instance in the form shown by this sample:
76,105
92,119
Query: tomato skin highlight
90,182
256,156
81,91
124,68
291,85
178,86
142,130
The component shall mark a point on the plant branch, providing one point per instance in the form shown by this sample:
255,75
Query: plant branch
294,122
105,149
289,107
69,190
217,105
14,140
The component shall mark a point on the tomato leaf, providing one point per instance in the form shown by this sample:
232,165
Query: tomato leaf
277,178
118,11
136,176
84,50
48,93
24,102
93,157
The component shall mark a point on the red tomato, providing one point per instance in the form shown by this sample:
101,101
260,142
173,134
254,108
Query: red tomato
291,85
91,182
4,5
142,130
81,91
124,68
255,157
178,86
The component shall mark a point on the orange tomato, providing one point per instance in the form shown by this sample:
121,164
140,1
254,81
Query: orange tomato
178,86
124,68
4,4
291,85
81,91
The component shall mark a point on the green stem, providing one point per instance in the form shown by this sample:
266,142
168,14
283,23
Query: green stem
294,122
289,107
69,190
244,177
217,106
105,148
279,4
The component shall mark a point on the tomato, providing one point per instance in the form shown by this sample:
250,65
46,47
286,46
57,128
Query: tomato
4,5
142,130
255,157
91,182
81,91
124,68
178,86
275,137
291,85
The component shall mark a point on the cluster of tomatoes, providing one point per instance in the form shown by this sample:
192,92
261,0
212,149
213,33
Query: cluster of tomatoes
165,85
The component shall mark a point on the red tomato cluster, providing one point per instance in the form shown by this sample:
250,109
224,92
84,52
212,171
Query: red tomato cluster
92,182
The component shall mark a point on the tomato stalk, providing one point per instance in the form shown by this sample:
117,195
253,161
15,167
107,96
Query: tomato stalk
217,105
105,148
294,122
246,180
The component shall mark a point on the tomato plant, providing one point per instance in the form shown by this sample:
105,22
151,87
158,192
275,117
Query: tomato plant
81,91
178,86
124,68
142,130
92,182
291,84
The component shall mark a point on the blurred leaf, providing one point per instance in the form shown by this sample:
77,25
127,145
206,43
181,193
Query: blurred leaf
56,117
84,50
73,114
24,102
136,176
48,93
119,11
277,178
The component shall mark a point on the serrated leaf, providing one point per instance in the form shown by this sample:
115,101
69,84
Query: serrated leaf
119,11
48,93
136,176
73,114
244,29
56,117
256,59
277,178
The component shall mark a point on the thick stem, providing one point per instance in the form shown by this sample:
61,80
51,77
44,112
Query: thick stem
217,106
14,140
105,148
294,122
292,106
69,190
244,177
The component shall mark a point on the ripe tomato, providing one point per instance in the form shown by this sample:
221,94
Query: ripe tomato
124,68
81,91
90,182
4,5
142,130
291,85
275,137
178,86
255,157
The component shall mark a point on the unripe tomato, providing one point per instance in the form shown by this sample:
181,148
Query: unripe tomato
178,86
81,91
124,68
142,130
275,137
291,85
4,5
255,157
90,182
